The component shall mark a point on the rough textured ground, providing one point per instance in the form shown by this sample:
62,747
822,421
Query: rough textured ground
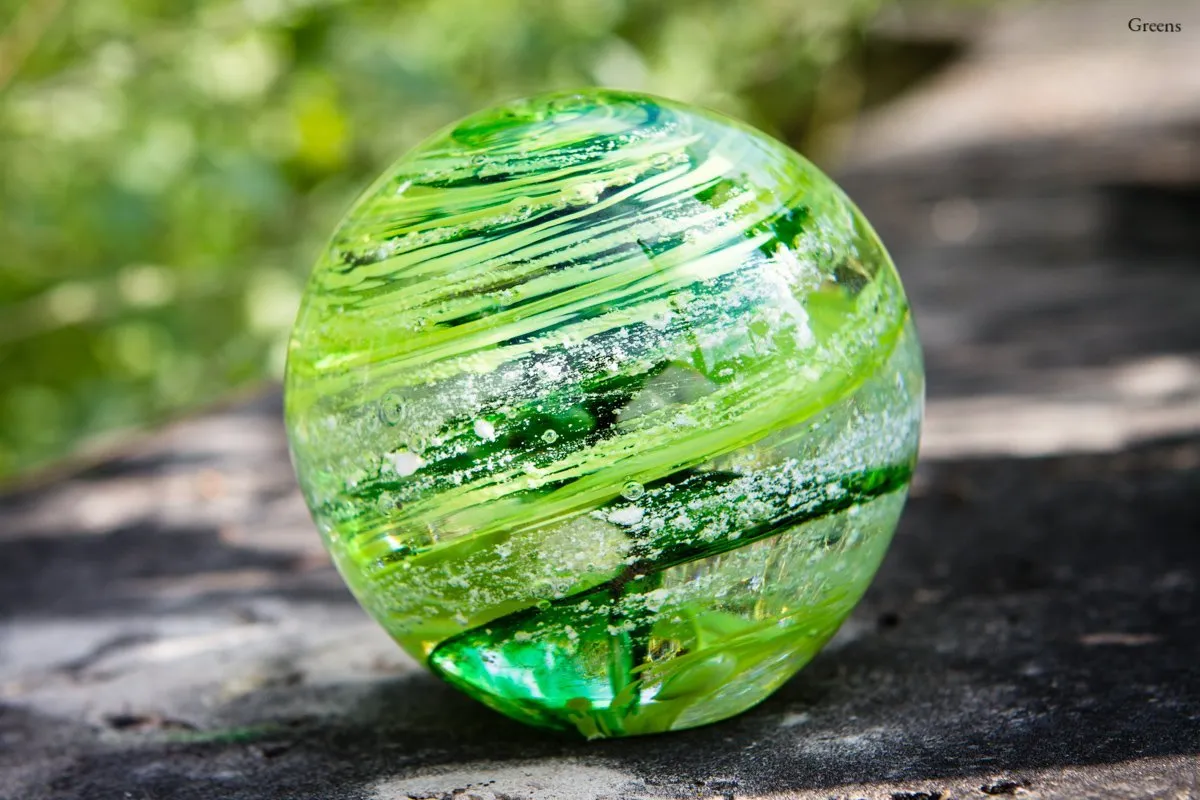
170,628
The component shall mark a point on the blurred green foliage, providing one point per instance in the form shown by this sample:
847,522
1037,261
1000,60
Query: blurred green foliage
170,169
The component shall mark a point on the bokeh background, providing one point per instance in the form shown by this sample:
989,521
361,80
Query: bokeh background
168,171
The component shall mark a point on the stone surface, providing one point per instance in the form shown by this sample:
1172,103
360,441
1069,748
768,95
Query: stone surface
1033,628
172,630
606,407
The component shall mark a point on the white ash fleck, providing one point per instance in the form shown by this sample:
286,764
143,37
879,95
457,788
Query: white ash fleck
404,462
655,599
630,515
485,430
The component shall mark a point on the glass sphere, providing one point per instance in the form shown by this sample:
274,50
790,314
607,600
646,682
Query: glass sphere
606,407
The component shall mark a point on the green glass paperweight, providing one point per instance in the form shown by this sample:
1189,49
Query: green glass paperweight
606,407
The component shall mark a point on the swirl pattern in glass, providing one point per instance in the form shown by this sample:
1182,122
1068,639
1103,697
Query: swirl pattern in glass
606,408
